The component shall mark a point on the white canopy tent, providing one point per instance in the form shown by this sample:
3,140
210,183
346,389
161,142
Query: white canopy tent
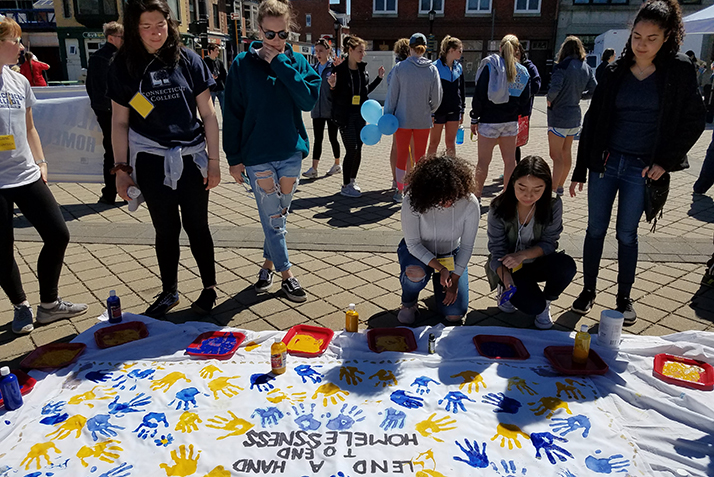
701,22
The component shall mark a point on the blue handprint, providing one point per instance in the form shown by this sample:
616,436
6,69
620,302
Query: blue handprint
185,397
305,420
217,345
305,371
261,381
150,423
53,407
454,401
135,375
422,384
502,402
546,442
56,416
100,376
116,471
269,416
100,423
566,473
477,459
120,408
342,421
607,465
393,420
403,399
509,468
565,426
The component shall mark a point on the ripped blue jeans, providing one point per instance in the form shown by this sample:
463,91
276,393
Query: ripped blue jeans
273,206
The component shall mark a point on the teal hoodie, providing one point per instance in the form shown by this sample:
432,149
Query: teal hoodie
262,119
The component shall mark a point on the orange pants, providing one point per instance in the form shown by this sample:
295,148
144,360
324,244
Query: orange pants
403,138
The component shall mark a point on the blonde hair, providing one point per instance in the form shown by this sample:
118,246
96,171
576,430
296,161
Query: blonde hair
509,46
447,44
351,42
9,28
420,49
278,8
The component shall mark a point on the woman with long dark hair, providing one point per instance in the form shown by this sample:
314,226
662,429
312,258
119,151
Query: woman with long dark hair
524,225
644,117
158,89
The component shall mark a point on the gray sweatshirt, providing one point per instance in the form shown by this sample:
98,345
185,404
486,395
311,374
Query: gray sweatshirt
414,93
572,81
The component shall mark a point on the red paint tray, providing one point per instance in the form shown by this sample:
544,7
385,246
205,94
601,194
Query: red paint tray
306,338
53,355
706,378
120,334
561,357
26,383
216,344
501,347
383,335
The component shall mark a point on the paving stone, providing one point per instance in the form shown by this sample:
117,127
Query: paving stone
314,309
50,334
676,322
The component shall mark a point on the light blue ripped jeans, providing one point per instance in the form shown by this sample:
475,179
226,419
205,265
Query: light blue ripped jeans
273,206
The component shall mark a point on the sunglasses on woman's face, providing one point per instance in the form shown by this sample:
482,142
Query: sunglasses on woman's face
270,34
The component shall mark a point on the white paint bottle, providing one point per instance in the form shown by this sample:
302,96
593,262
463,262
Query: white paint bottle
610,329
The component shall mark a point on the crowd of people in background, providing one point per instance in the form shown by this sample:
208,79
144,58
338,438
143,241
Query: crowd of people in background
154,100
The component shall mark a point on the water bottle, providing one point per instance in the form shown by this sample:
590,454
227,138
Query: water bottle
460,135
10,389
133,192
113,307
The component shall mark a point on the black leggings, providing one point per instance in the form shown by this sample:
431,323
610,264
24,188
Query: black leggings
191,197
353,146
109,191
39,207
318,125
556,270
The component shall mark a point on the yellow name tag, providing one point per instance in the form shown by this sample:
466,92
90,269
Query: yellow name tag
355,100
517,267
141,105
447,262
7,143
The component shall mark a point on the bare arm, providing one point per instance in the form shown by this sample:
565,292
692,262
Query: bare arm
33,139
120,145
210,124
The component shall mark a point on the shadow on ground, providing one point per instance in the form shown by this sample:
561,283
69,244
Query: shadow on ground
702,208
371,208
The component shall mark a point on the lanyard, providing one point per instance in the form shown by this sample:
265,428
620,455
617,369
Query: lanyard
359,82
522,225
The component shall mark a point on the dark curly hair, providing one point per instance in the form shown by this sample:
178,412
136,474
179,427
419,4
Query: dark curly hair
504,206
439,179
668,16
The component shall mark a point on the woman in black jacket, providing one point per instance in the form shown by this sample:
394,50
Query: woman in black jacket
644,117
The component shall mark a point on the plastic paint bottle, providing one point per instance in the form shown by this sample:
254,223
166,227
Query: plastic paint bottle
10,389
278,356
610,329
460,135
114,307
432,343
352,319
581,349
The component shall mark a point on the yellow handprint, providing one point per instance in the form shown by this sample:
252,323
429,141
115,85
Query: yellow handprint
101,452
430,426
423,457
208,371
349,374
97,393
521,385
277,396
331,391
549,404
187,422
472,379
428,473
221,385
185,464
570,390
237,426
37,451
386,378
251,346
509,433
168,381
74,423
218,472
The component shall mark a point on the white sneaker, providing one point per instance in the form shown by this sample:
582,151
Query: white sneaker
62,309
506,306
349,191
355,186
407,315
335,169
310,173
543,320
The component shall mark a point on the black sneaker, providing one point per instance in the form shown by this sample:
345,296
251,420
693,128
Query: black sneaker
205,302
293,290
265,280
584,302
624,306
164,302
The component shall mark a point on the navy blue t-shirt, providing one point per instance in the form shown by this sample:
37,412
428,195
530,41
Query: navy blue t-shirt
634,129
172,90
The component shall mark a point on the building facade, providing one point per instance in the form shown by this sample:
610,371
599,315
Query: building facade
39,31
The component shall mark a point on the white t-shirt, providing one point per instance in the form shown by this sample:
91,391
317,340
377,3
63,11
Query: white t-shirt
17,167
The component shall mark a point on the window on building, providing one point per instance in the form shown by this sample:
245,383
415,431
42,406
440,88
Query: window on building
385,6
478,6
425,6
191,12
175,9
216,18
473,53
66,9
602,2
527,6
308,20
308,37
94,7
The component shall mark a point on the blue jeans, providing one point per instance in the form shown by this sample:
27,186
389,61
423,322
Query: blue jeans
623,174
410,289
220,96
273,206
706,176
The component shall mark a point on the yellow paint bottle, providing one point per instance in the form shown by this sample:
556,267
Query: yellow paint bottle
581,349
352,319
278,356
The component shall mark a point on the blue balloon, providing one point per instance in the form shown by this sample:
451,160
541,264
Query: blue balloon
388,124
370,134
371,111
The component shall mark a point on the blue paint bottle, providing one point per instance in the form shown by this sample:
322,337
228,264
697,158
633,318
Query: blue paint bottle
10,389
113,307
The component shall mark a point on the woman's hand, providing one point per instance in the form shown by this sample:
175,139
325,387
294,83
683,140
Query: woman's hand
337,61
654,172
445,277
380,72
474,129
451,291
267,53
332,80
512,260
237,172
123,181
573,186
507,279
213,178
43,171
